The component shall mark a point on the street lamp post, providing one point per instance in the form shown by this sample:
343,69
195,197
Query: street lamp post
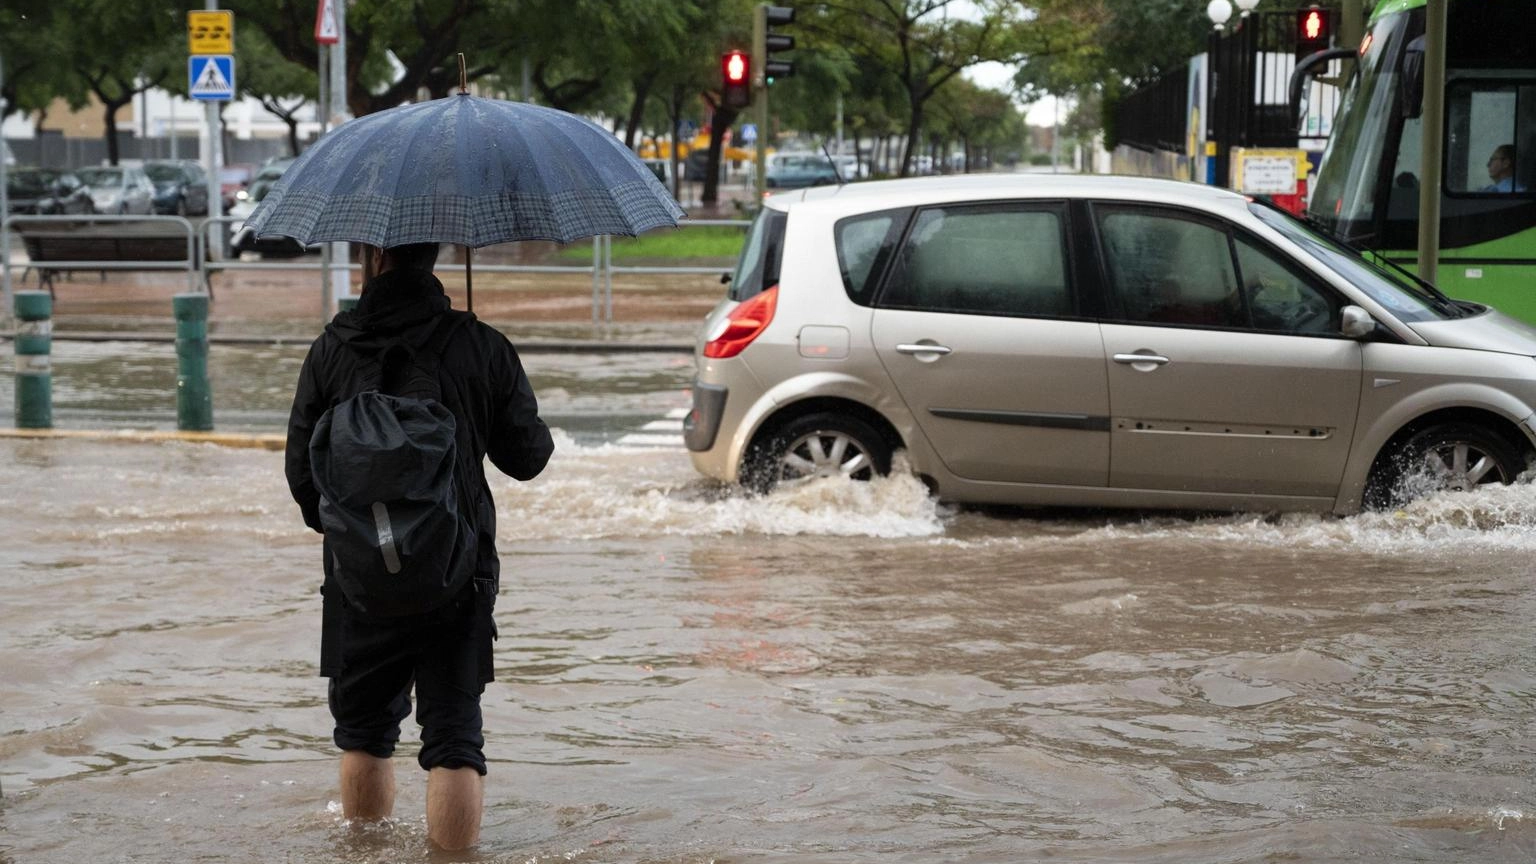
1228,59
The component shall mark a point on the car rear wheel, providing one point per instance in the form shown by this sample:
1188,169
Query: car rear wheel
817,446
1450,457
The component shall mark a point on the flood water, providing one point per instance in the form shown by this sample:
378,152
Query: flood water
840,673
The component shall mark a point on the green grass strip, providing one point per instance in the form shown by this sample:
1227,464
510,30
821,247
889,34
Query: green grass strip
705,241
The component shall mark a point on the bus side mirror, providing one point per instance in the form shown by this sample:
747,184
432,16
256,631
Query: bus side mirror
1412,90
1307,68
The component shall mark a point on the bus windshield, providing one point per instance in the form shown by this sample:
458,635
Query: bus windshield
1405,298
1344,198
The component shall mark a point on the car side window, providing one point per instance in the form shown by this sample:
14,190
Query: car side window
1281,300
1164,269
865,244
989,260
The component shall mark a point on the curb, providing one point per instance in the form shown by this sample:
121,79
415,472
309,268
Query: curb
525,347
254,440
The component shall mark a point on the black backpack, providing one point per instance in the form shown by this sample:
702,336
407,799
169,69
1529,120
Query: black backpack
385,462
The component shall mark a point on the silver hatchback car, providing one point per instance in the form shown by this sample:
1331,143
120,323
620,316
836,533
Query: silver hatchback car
1098,341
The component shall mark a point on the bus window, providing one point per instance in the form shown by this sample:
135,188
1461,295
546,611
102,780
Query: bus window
1489,127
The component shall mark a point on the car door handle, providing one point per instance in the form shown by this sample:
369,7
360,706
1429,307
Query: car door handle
1156,359
923,349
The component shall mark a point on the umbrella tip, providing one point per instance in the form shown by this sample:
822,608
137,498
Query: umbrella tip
463,78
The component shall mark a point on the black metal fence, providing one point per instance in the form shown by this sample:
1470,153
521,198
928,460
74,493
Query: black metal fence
1155,117
1248,79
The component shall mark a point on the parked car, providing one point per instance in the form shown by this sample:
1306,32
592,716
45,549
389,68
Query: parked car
181,187
799,170
119,189
46,192
233,179
245,205
1098,341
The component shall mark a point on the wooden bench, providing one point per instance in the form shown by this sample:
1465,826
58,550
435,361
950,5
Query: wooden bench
146,247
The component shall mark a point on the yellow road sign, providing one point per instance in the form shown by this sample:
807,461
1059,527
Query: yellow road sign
211,32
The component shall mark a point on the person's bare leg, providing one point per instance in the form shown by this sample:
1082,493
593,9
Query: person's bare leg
367,786
455,797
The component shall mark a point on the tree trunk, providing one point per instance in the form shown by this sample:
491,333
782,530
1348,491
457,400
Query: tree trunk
675,117
293,135
111,123
642,88
721,122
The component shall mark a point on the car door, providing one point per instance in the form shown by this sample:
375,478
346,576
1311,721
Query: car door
977,326
1227,373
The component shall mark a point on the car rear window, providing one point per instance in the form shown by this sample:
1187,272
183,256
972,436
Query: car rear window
865,244
758,268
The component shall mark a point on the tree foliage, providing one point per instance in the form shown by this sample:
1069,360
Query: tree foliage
650,66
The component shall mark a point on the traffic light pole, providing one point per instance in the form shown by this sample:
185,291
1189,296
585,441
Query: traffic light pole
760,101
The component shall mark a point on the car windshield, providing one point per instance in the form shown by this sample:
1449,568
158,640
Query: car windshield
1406,299
163,173
233,175
29,183
100,176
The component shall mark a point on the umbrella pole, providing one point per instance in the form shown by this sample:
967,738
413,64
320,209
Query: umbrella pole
469,281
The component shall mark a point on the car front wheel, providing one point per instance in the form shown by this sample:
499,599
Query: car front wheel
1450,457
816,446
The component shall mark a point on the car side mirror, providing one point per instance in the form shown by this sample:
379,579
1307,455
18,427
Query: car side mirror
1357,323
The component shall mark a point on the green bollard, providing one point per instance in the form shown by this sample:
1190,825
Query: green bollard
34,368
194,398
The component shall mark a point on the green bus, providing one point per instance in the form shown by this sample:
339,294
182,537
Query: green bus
1367,188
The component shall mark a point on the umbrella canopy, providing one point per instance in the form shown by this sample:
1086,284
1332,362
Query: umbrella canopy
465,170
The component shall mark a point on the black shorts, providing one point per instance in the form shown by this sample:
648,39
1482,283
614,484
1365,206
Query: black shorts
373,664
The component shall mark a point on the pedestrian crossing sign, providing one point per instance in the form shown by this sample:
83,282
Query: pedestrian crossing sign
211,77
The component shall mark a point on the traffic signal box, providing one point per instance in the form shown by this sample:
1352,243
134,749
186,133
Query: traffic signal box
1314,31
735,79
776,16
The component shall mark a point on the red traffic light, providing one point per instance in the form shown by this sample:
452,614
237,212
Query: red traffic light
1311,25
734,66
735,79
1312,30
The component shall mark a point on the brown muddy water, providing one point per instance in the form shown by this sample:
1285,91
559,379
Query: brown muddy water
840,673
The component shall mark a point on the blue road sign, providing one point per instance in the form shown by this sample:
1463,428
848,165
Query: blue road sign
211,77
748,133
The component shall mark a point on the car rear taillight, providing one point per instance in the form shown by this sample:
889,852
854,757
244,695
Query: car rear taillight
743,324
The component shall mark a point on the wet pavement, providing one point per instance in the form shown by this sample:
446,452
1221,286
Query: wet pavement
838,673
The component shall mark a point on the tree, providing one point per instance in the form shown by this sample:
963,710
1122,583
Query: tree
422,35
975,116
924,43
282,86
29,56
152,58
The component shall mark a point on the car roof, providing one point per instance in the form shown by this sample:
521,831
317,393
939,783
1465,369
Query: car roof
884,194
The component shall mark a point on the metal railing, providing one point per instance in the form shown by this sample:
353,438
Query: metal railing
190,263
216,237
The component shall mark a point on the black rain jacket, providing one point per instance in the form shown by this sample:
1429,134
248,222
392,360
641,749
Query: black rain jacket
482,381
